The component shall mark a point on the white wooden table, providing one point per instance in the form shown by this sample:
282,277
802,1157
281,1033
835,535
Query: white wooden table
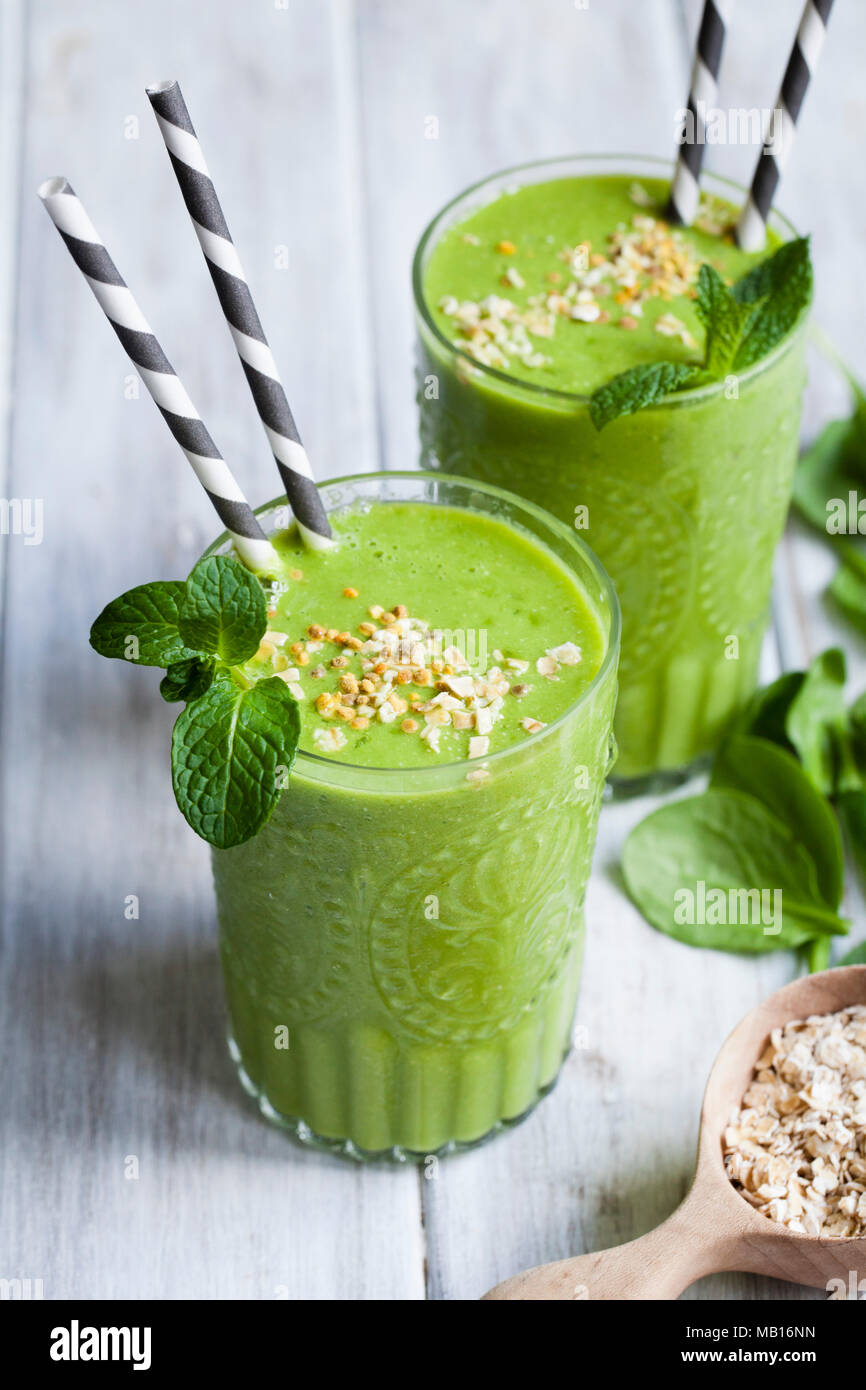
315,117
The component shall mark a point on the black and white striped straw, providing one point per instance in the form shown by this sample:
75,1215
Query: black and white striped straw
685,190
752,226
116,300
237,304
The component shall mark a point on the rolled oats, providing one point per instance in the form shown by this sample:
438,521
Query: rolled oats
796,1148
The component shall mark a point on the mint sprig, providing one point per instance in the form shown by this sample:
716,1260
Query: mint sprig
227,749
223,610
725,319
142,626
637,388
235,741
743,323
187,680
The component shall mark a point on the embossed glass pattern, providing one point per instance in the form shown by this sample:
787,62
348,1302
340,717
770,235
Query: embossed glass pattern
413,1032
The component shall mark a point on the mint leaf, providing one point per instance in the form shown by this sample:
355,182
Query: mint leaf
728,842
780,288
223,610
186,680
142,626
725,319
637,388
227,750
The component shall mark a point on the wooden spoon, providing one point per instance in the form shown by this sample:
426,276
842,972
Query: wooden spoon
714,1228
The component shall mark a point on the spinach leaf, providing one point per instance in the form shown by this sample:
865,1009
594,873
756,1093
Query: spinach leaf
776,779
817,720
711,870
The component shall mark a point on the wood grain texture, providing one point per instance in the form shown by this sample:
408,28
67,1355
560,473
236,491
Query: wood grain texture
713,1228
315,118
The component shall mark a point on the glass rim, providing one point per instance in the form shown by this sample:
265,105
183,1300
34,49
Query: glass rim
689,396
577,543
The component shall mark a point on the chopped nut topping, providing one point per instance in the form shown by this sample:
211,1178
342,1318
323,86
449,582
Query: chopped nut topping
643,261
566,654
329,740
400,653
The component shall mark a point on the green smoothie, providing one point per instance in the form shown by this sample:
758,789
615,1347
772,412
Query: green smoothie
402,941
534,291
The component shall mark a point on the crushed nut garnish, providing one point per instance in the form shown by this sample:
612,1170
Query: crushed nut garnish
646,260
404,669
796,1149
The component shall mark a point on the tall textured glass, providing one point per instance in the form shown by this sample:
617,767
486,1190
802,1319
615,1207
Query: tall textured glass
402,948
684,503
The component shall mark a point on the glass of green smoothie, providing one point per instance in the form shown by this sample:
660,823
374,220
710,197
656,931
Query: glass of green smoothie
402,941
533,289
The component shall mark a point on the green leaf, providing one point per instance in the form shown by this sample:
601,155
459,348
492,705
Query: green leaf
848,590
731,844
831,468
725,319
224,610
817,954
775,778
817,719
851,806
230,751
780,288
141,626
857,956
766,712
187,680
639,387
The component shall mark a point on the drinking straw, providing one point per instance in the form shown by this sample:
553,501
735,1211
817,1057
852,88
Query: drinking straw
234,295
752,226
115,298
685,192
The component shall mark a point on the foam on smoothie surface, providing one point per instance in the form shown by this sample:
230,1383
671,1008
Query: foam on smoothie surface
567,283
351,634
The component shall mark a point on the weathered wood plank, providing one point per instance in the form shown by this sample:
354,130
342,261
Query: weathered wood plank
115,1047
